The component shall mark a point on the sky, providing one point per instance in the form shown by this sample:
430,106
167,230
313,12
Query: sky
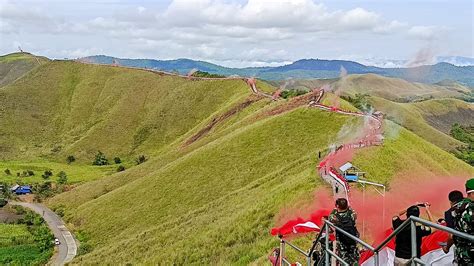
238,33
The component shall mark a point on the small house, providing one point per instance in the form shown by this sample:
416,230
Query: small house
350,172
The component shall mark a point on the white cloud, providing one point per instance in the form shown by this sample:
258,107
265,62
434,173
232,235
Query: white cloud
217,30
426,32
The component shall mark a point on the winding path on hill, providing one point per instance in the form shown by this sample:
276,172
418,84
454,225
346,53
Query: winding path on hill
372,137
67,249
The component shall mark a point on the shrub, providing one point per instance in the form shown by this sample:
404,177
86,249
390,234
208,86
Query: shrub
286,94
117,160
8,172
141,159
120,168
70,159
100,159
47,174
30,173
62,178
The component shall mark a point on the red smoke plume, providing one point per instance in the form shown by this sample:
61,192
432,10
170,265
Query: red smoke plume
403,193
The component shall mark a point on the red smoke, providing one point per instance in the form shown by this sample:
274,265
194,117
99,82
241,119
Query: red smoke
404,192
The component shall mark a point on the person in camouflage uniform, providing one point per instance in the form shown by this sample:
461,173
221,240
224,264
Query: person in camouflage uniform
345,218
463,214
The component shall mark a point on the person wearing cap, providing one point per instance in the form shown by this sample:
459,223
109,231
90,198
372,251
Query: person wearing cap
463,215
403,239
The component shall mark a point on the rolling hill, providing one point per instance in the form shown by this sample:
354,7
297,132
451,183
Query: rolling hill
13,66
223,161
303,69
79,109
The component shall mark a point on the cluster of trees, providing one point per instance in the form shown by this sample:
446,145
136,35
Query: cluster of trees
25,173
286,94
466,135
360,101
62,176
43,237
100,159
203,74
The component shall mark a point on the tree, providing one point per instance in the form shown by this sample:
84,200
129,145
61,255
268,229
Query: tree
62,178
100,159
8,172
70,159
120,168
47,174
117,160
141,159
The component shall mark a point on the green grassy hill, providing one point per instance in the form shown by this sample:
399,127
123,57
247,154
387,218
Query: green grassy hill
14,66
393,89
79,109
429,119
223,162
170,208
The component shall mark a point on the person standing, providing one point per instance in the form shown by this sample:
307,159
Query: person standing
345,218
454,197
403,239
463,215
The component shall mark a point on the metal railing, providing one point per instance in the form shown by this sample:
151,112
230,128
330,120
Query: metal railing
328,253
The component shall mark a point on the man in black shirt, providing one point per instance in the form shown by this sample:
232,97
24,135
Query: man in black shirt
454,197
403,239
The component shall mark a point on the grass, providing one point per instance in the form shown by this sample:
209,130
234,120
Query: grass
409,116
17,246
122,112
402,153
212,201
206,198
77,173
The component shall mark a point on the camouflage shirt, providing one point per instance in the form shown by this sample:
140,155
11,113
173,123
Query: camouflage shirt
463,214
333,217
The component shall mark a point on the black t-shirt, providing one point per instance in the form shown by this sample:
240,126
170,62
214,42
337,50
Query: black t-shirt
448,217
403,239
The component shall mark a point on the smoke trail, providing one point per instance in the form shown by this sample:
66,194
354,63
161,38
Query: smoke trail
425,56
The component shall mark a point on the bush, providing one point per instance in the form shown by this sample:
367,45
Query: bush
121,168
141,159
47,174
117,160
286,94
70,159
100,159
62,178
8,172
360,101
203,74
30,173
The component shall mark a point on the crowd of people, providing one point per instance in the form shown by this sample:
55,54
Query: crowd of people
460,217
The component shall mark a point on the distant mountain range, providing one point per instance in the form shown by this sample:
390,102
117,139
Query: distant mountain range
304,69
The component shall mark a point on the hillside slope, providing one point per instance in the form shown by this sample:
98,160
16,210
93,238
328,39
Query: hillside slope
223,161
271,160
14,66
393,89
79,109
431,119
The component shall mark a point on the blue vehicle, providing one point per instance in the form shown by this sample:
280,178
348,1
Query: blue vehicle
21,190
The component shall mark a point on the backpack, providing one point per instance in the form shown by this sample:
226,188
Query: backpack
346,223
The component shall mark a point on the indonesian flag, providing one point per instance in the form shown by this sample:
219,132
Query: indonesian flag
300,225
305,228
